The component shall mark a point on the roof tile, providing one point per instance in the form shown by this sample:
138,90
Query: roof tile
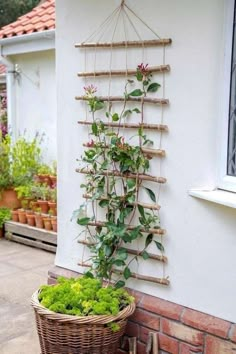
41,18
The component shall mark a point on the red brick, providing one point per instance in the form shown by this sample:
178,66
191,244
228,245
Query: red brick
232,333
215,345
182,332
132,329
147,319
161,307
138,296
141,348
189,349
207,323
168,344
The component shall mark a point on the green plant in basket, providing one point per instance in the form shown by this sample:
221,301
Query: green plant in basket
84,296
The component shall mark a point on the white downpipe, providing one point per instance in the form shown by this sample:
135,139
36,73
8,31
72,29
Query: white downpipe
11,95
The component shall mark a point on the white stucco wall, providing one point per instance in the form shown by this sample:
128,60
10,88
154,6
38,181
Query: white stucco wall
34,95
201,241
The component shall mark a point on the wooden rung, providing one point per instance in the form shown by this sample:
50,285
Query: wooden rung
159,127
151,69
144,205
156,257
162,281
127,175
130,227
128,44
152,152
157,101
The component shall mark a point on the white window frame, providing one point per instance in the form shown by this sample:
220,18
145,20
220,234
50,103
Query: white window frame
225,181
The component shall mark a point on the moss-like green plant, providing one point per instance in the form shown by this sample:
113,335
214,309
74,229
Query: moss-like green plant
84,296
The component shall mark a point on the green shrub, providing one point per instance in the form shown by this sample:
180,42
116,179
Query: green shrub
83,297
5,215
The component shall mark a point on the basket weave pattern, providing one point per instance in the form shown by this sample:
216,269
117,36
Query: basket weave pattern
65,334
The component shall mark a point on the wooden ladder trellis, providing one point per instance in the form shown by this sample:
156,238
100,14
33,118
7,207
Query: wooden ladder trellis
161,128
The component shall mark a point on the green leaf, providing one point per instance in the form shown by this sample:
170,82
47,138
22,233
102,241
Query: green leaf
120,284
83,221
122,253
159,246
95,129
145,255
149,239
108,250
88,274
98,105
136,110
141,210
119,262
135,233
153,87
115,117
131,183
127,113
136,93
103,203
127,273
107,114
151,194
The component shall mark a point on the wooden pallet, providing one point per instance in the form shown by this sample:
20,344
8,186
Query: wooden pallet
31,236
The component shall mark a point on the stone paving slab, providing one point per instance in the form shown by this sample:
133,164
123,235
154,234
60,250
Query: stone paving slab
22,270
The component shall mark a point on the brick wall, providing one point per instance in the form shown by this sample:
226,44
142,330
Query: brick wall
180,330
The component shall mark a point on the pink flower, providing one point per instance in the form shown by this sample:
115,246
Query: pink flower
90,90
143,68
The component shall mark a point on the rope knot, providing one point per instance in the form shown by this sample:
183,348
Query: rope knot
122,2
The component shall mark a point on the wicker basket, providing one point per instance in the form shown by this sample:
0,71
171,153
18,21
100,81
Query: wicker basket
64,334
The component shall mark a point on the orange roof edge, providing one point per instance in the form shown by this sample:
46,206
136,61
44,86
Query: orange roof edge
41,18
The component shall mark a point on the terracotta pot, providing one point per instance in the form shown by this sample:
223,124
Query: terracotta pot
47,224
30,219
22,216
39,221
8,199
14,215
53,208
54,225
43,205
44,179
1,232
53,180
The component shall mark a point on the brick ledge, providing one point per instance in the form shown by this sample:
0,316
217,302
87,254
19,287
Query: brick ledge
181,330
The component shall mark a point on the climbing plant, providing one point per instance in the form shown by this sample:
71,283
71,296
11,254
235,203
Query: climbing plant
115,172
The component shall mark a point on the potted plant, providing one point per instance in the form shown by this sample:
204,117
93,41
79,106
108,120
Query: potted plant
54,223
19,162
42,192
38,218
52,203
81,316
43,174
24,194
5,215
53,175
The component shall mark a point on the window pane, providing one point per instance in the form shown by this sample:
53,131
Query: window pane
231,168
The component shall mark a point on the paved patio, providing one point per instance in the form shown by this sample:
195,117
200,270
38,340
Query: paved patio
22,270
